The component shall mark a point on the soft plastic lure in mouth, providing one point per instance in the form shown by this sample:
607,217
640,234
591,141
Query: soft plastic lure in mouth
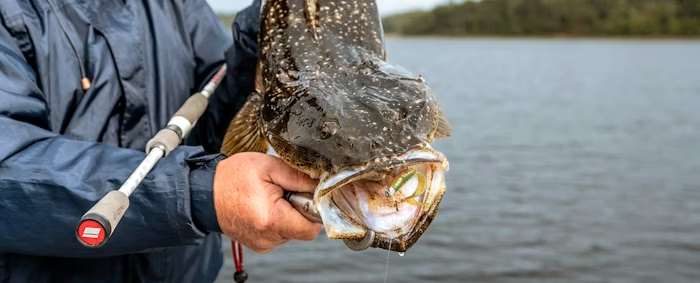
354,201
401,179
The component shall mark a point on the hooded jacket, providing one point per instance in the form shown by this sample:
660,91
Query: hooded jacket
62,148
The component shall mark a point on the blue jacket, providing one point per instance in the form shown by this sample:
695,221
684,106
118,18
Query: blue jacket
62,148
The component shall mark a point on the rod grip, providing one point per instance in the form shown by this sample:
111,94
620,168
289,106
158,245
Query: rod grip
193,108
168,138
97,225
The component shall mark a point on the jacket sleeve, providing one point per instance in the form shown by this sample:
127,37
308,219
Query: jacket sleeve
213,46
48,181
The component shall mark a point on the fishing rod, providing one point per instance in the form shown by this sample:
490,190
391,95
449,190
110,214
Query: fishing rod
97,225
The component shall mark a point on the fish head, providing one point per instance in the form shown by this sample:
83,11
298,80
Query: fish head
365,131
326,120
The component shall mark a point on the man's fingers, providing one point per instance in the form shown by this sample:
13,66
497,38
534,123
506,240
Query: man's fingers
293,225
289,178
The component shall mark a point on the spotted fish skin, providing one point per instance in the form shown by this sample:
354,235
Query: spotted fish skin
329,99
329,105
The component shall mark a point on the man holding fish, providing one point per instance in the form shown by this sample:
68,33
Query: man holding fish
84,85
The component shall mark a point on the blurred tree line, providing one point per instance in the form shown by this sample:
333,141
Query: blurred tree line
551,17
226,19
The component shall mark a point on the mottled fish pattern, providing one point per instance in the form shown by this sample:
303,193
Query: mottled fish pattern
328,103
329,100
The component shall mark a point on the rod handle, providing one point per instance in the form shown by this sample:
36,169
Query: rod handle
193,108
96,225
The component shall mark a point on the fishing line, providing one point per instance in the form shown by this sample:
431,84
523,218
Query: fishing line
388,253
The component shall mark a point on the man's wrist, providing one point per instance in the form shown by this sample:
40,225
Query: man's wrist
202,192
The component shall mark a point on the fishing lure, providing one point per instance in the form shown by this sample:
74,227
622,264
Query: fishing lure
401,180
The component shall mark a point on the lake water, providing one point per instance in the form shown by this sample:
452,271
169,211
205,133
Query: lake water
570,161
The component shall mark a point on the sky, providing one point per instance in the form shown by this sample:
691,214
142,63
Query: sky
386,7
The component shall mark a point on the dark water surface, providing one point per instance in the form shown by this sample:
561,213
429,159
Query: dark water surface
570,161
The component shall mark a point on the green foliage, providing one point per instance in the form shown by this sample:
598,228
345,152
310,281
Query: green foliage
552,17
226,19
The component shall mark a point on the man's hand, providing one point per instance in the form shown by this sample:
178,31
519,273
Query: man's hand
249,203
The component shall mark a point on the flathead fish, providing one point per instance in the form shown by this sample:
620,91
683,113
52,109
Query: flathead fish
330,105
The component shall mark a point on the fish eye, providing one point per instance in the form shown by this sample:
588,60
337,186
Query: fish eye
328,129
402,113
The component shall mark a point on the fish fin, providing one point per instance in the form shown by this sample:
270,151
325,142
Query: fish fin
258,79
243,134
443,126
311,13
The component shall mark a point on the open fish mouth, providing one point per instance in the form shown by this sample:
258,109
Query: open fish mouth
396,197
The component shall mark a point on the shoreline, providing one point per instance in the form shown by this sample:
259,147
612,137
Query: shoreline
548,36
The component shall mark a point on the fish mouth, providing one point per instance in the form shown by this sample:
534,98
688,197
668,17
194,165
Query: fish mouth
395,197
